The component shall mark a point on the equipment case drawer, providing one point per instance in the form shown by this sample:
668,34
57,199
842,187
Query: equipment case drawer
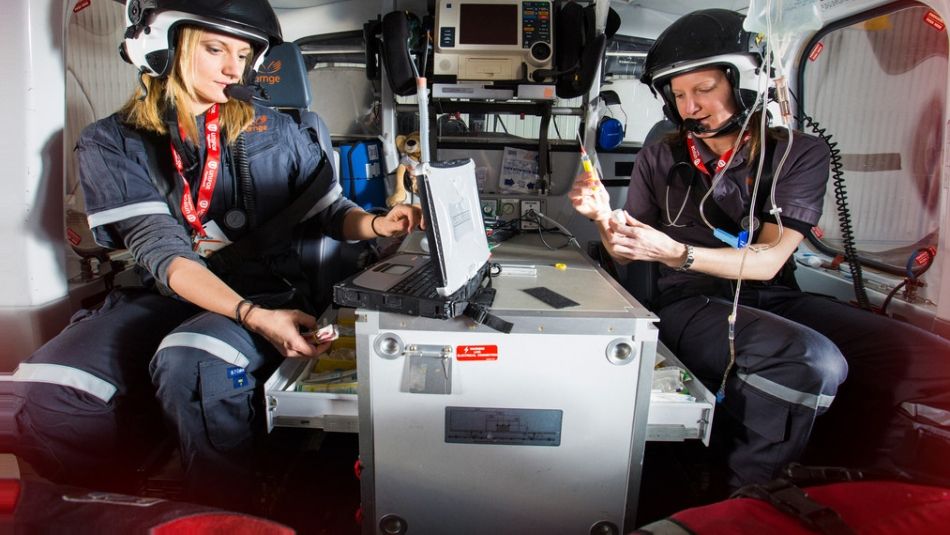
667,420
318,410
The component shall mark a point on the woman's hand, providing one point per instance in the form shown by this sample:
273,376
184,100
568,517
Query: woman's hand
401,219
282,329
590,197
636,241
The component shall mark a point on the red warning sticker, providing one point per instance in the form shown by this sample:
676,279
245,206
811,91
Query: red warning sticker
924,256
488,352
818,232
815,52
81,5
933,19
73,237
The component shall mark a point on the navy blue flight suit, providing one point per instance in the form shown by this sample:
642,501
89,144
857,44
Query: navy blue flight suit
88,397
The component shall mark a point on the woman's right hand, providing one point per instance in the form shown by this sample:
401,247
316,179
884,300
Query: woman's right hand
282,328
590,197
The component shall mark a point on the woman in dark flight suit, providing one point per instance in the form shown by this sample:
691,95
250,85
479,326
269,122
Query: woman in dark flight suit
161,177
795,355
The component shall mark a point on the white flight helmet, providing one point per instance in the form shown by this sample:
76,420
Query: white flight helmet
150,36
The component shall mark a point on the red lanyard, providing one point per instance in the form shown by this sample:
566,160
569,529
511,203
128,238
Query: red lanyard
209,176
698,160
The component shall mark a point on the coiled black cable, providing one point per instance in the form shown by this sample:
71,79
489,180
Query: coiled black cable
844,213
247,187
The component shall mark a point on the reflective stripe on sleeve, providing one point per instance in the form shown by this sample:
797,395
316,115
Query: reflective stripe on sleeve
58,374
812,401
208,344
124,212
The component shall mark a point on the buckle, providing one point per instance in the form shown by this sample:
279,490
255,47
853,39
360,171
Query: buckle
478,313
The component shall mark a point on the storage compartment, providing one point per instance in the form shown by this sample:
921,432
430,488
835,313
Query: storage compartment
673,419
331,410
288,408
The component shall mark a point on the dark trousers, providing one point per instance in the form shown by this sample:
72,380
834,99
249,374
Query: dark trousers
212,406
206,377
796,355
75,437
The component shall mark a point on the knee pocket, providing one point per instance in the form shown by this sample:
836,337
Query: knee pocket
226,394
765,416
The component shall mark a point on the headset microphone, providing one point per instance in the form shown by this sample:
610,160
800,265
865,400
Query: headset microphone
245,93
727,127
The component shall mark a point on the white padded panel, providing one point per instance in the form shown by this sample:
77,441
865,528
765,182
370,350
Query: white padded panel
98,82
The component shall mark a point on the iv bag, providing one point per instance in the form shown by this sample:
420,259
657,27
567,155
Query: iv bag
789,17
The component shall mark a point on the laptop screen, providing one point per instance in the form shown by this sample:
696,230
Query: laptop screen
455,229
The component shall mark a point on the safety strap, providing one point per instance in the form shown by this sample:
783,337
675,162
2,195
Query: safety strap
279,227
256,242
793,501
478,311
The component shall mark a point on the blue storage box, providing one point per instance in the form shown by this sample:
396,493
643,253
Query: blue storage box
362,175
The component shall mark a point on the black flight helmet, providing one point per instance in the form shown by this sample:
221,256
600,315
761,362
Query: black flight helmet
702,39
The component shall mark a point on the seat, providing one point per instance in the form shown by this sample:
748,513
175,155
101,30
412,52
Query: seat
325,261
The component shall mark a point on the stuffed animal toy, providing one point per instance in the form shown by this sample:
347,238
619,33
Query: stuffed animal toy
410,150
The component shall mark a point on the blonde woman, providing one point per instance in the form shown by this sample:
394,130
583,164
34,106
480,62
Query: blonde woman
162,177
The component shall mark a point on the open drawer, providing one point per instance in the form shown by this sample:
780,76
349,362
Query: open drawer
673,420
330,411
320,410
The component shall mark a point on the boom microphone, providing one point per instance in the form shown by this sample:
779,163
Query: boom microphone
240,92
727,127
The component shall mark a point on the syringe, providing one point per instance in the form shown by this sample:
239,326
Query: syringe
586,165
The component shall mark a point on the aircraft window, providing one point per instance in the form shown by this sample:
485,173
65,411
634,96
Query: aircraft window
878,86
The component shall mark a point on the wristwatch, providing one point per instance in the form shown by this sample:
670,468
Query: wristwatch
688,263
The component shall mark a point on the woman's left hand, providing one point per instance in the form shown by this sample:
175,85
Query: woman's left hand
282,328
401,219
638,241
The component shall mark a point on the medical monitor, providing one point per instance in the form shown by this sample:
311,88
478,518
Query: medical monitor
493,40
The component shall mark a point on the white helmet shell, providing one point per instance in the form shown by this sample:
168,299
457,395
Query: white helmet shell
152,25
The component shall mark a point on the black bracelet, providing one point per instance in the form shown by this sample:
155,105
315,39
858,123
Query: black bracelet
372,225
249,310
237,310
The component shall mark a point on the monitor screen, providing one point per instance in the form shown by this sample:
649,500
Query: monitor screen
488,24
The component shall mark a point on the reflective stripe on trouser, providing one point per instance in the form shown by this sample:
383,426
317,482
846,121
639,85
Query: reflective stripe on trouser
86,406
892,366
206,373
57,374
785,375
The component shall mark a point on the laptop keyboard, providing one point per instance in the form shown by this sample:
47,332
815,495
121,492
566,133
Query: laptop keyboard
421,284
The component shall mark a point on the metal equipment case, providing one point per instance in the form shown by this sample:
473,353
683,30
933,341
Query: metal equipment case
467,430
549,381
